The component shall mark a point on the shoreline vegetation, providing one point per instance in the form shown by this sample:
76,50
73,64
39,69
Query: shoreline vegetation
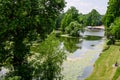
25,22
95,28
107,66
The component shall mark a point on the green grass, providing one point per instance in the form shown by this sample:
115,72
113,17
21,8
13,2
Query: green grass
117,74
104,67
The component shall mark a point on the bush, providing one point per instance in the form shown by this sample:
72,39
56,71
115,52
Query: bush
111,41
47,59
73,28
13,78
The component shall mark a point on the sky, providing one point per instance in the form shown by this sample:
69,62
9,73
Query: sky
85,6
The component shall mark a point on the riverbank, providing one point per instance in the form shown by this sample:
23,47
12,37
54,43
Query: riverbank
104,67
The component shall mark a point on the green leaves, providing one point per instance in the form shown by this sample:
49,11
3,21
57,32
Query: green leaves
113,11
22,22
94,18
48,59
81,20
70,15
115,28
111,19
73,28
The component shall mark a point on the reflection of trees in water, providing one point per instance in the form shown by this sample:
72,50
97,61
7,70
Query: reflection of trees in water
70,43
93,37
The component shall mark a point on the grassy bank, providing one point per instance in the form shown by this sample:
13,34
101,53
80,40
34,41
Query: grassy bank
104,68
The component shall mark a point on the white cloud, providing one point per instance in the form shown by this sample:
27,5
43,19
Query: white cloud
85,6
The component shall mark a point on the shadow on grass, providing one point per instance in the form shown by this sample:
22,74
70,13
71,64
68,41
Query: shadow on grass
117,43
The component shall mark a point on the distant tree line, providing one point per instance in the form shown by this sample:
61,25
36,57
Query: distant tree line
72,21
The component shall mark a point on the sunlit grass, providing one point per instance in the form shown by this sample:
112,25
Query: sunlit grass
104,66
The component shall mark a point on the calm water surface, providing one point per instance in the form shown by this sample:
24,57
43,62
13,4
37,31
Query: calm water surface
82,54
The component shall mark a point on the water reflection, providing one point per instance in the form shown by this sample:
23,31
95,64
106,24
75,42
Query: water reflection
92,37
85,51
70,44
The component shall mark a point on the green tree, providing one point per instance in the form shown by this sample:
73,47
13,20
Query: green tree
20,23
58,21
94,18
82,19
73,28
66,21
74,12
48,59
70,15
113,11
115,28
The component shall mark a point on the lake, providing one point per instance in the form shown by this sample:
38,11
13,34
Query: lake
82,54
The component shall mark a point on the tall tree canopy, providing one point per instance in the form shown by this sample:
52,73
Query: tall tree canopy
93,18
20,23
70,15
111,20
113,11
48,59
74,12
115,28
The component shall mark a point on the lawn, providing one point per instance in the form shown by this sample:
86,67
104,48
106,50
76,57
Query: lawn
104,68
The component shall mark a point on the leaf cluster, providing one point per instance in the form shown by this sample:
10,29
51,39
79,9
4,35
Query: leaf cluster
21,23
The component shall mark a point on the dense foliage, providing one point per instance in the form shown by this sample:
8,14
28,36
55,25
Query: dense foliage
70,15
94,18
69,23
113,11
72,21
48,59
115,28
111,20
73,29
82,19
21,22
